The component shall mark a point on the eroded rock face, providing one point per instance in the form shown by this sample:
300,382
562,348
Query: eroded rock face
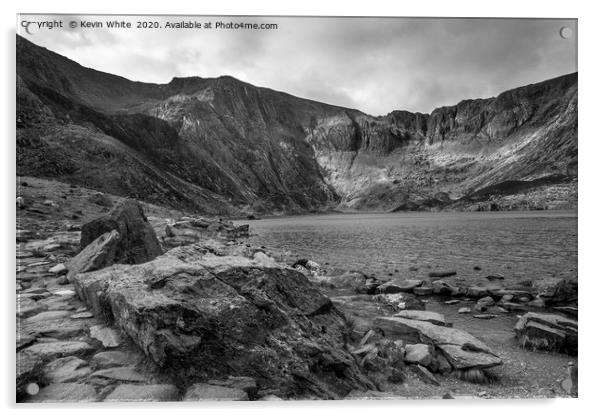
138,242
202,316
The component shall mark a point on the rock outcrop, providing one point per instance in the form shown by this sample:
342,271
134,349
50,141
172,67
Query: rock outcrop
200,316
137,242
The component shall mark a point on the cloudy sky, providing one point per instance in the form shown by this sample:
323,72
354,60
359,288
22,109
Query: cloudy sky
372,64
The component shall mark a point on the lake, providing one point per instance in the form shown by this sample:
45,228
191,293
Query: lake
536,245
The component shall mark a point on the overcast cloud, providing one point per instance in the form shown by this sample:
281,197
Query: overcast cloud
373,64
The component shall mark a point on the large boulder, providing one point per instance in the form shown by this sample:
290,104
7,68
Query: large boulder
563,292
461,349
200,316
138,242
547,332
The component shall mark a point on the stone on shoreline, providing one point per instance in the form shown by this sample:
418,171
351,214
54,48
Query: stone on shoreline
547,332
207,392
189,230
429,316
460,348
398,285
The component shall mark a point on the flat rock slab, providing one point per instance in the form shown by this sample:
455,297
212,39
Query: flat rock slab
429,316
124,373
207,392
53,350
68,369
396,286
64,392
46,316
474,352
107,336
464,359
113,358
59,329
150,393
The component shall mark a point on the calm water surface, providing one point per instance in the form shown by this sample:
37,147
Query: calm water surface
518,245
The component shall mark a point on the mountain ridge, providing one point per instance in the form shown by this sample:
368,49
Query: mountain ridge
224,146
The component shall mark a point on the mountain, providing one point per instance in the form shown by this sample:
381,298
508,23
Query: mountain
222,146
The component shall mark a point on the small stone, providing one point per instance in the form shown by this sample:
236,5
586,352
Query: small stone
430,316
494,277
464,310
418,353
452,302
537,303
486,301
59,269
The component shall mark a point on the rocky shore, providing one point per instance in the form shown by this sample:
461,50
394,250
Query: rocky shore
116,304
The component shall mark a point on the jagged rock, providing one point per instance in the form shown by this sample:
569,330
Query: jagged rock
547,332
474,353
401,301
53,350
207,392
64,392
418,353
131,392
201,315
137,242
396,286
68,369
97,255
429,316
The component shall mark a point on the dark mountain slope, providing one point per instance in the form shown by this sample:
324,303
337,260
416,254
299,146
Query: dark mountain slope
225,146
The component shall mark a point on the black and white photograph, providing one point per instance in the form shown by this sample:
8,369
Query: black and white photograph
293,208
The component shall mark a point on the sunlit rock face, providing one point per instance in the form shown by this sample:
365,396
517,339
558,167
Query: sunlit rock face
222,146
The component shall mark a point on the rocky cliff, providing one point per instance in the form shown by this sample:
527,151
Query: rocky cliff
222,146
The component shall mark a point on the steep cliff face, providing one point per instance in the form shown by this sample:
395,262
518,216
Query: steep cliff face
219,145
524,135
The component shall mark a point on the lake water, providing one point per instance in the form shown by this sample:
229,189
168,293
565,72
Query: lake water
540,246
